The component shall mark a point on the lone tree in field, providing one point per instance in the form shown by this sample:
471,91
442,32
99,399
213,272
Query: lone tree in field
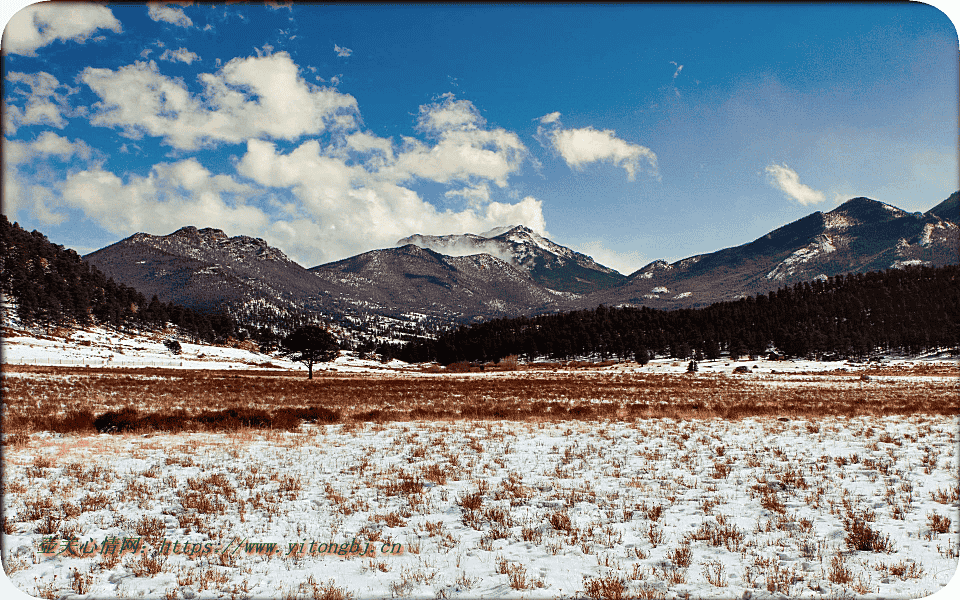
311,344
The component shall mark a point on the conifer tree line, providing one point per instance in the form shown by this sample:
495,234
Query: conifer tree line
53,286
910,311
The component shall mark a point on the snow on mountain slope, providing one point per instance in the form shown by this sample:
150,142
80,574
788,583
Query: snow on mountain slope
548,263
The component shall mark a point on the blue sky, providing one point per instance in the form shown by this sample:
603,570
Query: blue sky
627,132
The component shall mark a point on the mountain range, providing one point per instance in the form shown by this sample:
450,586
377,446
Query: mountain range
512,271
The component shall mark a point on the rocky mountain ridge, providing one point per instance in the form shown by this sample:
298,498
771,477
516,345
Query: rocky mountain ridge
511,271
549,264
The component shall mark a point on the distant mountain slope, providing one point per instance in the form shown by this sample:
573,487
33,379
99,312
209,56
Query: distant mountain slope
858,236
949,209
411,279
205,269
49,285
549,264
509,271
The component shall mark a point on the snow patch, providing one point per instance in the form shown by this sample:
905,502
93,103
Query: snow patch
823,244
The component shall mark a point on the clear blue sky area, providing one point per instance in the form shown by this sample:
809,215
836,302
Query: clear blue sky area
628,132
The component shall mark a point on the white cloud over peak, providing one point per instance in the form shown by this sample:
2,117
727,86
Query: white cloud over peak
159,201
258,96
182,55
586,145
624,262
42,24
462,156
327,198
168,13
350,206
787,181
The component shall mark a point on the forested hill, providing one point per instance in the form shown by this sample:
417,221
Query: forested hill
50,286
909,310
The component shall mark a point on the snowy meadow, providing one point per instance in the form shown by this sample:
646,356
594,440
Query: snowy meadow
558,481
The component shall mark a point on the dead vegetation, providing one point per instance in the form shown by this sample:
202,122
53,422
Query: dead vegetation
87,400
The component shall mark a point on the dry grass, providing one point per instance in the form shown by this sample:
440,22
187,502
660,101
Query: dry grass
87,399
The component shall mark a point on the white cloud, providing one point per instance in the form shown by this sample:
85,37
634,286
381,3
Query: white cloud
551,118
22,190
462,156
464,152
583,146
324,200
41,24
51,144
342,52
169,14
346,209
677,72
787,181
258,96
624,262
182,55
451,114
44,104
475,196
161,201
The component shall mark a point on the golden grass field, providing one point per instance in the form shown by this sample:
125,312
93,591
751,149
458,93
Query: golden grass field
47,398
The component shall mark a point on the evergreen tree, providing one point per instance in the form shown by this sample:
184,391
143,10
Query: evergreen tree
311,344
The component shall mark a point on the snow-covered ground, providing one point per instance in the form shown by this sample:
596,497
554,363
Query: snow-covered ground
649,508
101,347
672,509
96,346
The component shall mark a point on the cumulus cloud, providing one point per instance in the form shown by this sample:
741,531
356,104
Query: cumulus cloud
258,96
44,104
44,23
28,190
182,55
160,201
787,181
462,156
583,146
449,115
463,152
475,196
329,197
169,14
347,207
342,52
